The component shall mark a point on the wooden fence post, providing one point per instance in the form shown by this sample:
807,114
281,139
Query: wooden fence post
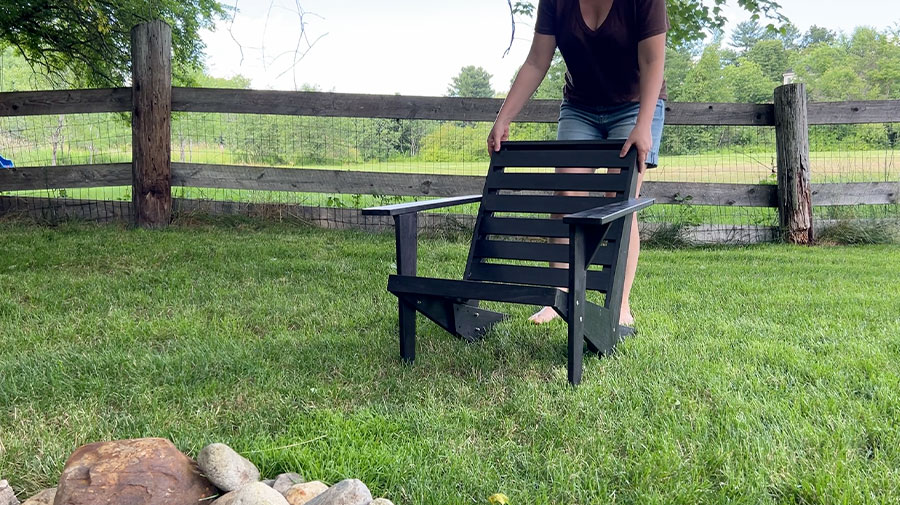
151,82
792,140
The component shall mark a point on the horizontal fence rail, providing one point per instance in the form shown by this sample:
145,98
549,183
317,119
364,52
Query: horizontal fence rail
300,103
309,103
874,111
70,176
71,101
323,181
419,185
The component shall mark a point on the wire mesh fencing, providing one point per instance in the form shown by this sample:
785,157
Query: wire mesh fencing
712,155
866,153
97,144
324,169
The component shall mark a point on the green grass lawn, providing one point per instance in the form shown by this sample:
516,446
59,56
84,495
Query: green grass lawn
760,375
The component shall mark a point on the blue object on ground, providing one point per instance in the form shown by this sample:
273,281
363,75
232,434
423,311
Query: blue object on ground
5,163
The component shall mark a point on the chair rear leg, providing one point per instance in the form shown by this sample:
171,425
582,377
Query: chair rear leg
407,331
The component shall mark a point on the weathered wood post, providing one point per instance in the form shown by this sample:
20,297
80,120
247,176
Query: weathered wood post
151,81
792,140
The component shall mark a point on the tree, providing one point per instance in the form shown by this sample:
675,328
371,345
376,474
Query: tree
876,58
678,64
705,81
87,42
772,57
472,81
691,19
748,82
746,34
817,35
790,36
203,80
16,75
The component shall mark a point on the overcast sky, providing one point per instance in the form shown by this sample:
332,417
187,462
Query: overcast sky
414,47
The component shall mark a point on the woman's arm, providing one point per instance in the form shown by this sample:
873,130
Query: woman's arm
529,78
651,60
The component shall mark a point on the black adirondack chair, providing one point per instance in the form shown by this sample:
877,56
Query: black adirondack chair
511,247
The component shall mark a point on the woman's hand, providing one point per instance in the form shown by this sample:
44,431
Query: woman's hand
642,140
499,133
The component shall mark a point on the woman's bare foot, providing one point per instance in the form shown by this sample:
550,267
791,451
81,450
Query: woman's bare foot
544,315
547,314
626,318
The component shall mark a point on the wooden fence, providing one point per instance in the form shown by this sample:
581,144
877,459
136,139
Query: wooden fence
152,174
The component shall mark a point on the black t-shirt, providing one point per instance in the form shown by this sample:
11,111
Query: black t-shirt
602,64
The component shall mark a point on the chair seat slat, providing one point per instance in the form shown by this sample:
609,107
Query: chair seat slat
469,290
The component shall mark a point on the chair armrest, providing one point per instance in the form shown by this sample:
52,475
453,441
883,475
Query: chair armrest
606,214
406,208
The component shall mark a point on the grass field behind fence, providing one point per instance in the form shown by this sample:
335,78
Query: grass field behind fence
745,167
760,375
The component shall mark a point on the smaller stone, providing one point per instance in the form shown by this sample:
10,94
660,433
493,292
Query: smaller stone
284,481
45,497
381,501
7,496
300,494
225,468
252,494
269,482
345,492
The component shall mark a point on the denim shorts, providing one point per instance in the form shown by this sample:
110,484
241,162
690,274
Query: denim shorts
585,122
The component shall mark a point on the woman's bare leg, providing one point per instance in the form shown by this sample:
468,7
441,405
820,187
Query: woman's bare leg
626,317
547,314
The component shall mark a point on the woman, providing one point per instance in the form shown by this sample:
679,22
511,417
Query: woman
615,54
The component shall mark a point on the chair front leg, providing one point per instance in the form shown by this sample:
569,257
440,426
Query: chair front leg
406,234
576,302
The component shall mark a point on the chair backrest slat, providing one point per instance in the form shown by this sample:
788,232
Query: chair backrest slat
559,182
524,227
534,251
559,157
514,223
597,280
545,204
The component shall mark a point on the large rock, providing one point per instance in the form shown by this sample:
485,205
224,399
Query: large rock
227,469
146,471
345,492
300,494
284,481
45,497
7,496
381,501
257,493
